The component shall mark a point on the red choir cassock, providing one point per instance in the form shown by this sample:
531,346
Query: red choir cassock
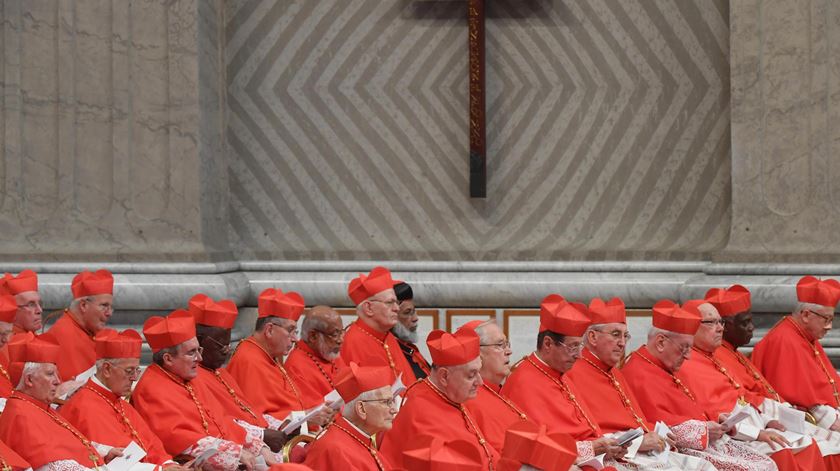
427,409
717,391
367,346
11,460
8,310
314,375
267,385
179,412
794,362
105,417
610,400
29,426
78,353
344,446
494,413
219,382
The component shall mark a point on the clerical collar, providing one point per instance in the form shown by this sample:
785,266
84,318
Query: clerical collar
537,356
362,432
593,358
96,381
370,330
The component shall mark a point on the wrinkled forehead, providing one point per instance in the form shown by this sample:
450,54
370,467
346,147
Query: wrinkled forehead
708,312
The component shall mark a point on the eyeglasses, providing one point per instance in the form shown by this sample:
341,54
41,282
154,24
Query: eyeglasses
390,402
335,336
684,349
827,319
105,307
390,303
31,305
501,345
617,335
292,329
224,348
195,353
130,371
572,350
712,322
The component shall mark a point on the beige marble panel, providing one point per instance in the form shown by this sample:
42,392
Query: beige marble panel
784,100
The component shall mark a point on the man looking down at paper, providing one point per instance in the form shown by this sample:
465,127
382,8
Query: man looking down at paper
315,361
348,443
718,392
184,415
99,410
613,405
435,405
540,387
650,374
29,426
257,364
213,324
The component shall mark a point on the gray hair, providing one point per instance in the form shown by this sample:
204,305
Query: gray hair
102,361
157,357
592,328
808,307
481,330
311,323
29,368
74,304
654,331
349,411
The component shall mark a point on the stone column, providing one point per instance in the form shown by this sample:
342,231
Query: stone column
111,131
785,69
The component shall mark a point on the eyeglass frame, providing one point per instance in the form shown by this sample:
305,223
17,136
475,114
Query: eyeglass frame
501,345
198,352
104,307
616,334
31,305
825,317
578,350
683,349
335,336
394,302
294,332
390,402
225,348
131,371
712,322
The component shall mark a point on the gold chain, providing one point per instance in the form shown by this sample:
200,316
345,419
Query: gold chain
121,412
466,415
819,360
676,380
624,398
370,449
565,388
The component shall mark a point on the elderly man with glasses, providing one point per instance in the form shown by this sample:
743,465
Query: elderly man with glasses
651,374
369,340
90,310
539,383
369,408
257,364
183,414
213,324
99,409
316,359
493,413
792,359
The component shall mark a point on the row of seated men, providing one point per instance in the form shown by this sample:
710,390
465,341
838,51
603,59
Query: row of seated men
694,401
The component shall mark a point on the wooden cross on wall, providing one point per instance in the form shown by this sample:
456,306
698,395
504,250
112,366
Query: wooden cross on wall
478,105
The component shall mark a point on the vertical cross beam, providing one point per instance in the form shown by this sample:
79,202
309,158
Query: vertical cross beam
478,132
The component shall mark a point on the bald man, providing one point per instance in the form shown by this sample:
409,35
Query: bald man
315,361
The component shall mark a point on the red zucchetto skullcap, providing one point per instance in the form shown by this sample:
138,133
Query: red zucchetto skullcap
112,344
562,317
730,301
668,315
211,313
356,379
815,291
92,284
26,280
28,347
169,331
527,443
610,312
453,349
8,308
428,453
274,303
364,286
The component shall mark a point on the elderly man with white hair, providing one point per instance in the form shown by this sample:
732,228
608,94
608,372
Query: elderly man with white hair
369,408
792,359
182,413
29,426
435,405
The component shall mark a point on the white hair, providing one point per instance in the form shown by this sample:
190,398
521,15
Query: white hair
102,361
481,330
808,307
592,328
349,411
654,331
74,304
29,368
